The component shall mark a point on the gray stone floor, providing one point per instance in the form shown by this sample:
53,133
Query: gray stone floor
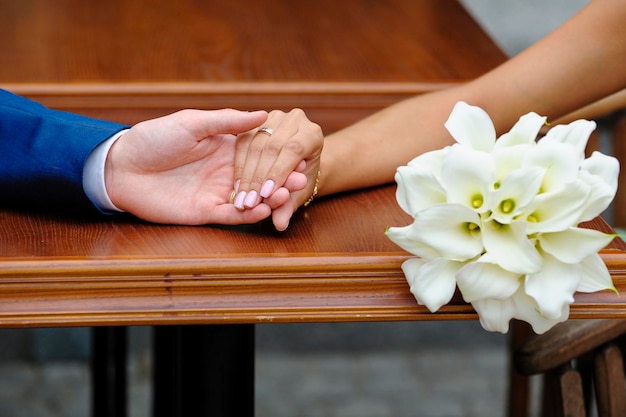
426,383
381,369
435,369
444,369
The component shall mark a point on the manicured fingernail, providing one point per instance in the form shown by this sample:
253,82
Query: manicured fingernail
236,187
268,187
250,200
238,202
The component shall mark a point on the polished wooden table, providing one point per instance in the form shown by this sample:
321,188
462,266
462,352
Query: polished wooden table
334,263
128,60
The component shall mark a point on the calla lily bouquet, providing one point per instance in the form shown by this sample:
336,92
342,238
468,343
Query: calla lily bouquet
498,219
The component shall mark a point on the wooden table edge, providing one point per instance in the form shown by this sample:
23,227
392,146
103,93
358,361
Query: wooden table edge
266,289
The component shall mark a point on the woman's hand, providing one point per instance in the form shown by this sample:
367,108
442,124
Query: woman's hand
278,164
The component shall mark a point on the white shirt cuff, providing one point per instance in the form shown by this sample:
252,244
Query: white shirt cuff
93,176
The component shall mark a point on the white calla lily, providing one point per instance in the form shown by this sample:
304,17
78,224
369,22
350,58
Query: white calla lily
467,176
574,244
510,248
485,279
432,283
418,188
495,315
599,199
595,275
408,238
575,134
553,286
472,127
560,162
527,309
515,192
542,324
499,219
448,230
557,211
509,159
603,166
600,172
524,132
430,160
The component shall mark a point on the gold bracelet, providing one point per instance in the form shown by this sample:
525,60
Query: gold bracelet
317,183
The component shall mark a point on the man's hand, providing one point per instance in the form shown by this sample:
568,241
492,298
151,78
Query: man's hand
178,169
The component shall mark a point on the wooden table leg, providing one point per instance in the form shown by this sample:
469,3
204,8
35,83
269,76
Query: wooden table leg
108,372
203,370
519,385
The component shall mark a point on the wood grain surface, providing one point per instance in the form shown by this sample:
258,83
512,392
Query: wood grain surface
334,263
128,60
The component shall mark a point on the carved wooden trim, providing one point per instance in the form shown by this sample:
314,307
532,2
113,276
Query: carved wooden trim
297,288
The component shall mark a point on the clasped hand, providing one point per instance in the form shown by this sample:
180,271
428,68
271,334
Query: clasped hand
183,168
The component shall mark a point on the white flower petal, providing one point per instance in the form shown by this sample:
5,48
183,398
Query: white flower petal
407,237
508,159
574,244
516,191
603,166
599,199
541,324
468,176
495,315
575,134
525,131
451,229
561,163
471,126
485,279
553,287
417,189
528,311
430,160
596,276
432,283
600,172
444,230
557,211
510,248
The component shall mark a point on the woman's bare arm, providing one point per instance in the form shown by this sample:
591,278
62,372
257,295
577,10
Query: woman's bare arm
582,61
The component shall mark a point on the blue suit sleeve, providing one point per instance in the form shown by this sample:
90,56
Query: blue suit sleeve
43,153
